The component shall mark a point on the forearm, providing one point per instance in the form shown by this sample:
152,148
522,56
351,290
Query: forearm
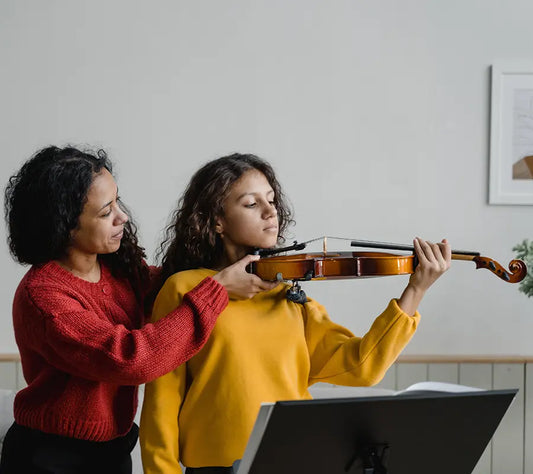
364,360
88,346
410,299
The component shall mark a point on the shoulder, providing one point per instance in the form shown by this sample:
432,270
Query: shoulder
43,288
172,292
277,298
48,275
314,311
183,282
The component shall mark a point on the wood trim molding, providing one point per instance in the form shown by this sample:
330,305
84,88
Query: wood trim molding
414,359
465,359
9,357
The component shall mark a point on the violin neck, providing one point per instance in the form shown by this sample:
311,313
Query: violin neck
456,254
462,256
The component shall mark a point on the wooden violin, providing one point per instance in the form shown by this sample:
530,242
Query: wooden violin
339,265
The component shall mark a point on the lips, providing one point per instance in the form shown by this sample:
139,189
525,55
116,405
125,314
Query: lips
119,235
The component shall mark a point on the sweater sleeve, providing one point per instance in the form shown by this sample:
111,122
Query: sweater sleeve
159,429
78,341
339,357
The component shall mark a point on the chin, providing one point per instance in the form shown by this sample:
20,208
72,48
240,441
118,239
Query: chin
265,242
268,245
112,248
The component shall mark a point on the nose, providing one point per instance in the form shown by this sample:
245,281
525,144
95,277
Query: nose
122,217
270,211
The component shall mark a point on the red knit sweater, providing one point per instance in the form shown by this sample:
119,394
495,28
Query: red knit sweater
84,349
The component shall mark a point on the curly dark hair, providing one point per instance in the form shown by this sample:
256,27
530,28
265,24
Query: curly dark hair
43,203
190,240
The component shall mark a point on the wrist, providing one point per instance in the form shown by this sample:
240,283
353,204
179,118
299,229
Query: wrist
219,278
415,289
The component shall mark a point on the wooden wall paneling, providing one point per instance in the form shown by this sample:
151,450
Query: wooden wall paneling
389,380
479,376
410,373
528,420
508,440
445,372
8,375
21,383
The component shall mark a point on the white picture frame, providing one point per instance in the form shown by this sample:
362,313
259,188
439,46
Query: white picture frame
511,133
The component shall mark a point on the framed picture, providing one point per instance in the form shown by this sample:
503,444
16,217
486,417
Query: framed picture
511,133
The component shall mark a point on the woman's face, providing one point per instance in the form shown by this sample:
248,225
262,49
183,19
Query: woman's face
101,222
250,218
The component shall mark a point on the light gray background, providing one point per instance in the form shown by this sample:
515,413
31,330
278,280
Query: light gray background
375,115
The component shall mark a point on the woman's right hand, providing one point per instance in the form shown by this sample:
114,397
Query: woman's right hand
239,283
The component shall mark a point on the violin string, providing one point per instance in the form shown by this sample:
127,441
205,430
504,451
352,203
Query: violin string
324,240
325,237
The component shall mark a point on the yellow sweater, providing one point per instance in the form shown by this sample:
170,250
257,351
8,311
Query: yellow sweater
261,350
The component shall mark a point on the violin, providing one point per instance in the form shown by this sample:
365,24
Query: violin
340,265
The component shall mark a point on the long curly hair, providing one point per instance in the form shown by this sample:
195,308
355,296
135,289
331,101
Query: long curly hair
43,203
190,240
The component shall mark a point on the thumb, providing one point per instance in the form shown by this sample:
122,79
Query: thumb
247,259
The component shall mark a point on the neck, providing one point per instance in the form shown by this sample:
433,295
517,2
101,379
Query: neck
84,266
232,255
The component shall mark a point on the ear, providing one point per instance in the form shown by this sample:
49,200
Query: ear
219,227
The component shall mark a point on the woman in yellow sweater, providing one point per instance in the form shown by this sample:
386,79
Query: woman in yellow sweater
262,349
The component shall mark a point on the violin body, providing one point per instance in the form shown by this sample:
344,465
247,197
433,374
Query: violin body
333,265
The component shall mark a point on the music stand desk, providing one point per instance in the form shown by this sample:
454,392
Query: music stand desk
412,433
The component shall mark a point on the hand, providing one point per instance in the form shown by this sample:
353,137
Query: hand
433,261
239,283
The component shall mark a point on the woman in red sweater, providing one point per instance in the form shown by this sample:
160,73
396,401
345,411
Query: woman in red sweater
78,316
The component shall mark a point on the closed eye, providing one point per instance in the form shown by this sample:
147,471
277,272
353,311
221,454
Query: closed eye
110,206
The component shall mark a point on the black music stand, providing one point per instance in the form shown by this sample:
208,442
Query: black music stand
412,433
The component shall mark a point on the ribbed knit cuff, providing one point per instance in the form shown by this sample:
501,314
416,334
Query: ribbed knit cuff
209,293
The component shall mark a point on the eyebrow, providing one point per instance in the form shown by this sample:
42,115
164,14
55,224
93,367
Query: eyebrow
105,205
253,193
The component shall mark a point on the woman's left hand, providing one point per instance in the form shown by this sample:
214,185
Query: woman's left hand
433,261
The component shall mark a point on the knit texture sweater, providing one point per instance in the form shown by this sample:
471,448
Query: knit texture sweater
263,349
84,348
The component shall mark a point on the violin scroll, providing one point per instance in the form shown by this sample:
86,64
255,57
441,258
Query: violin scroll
518,269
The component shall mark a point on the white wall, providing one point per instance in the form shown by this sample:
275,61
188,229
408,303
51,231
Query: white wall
375,115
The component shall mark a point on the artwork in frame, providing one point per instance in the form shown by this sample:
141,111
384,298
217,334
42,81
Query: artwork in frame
511,137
